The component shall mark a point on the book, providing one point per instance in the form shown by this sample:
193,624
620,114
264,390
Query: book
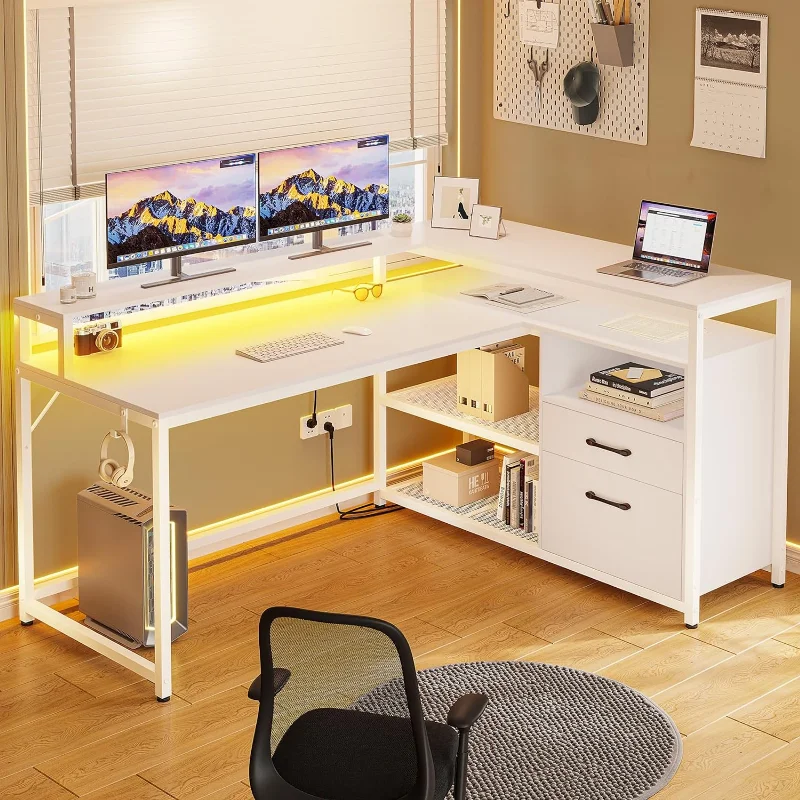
663,414
647,402
502,497
638,379
531,501
528,467
514,493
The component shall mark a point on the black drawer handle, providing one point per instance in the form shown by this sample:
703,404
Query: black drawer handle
594,443
620,506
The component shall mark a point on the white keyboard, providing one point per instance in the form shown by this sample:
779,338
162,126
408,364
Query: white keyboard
288,347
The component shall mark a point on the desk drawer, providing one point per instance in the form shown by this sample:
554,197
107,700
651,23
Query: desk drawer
640,542
635,454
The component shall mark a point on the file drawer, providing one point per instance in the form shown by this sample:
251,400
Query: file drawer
615,524
609,446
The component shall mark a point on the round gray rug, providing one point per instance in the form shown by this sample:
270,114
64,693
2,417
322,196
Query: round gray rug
549,732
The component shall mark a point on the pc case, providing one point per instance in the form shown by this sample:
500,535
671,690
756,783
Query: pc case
116,566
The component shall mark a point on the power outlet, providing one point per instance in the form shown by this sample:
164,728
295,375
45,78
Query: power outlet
341,417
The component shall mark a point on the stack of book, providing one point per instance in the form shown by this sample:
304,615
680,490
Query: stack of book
637,389
519,491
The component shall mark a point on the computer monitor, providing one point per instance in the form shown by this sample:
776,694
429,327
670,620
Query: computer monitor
316,187
181,209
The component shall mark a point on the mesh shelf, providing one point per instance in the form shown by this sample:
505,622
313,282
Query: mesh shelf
482,512
436,400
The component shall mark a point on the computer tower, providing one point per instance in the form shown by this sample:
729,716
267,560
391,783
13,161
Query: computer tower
116,566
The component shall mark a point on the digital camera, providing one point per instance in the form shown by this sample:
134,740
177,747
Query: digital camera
99,337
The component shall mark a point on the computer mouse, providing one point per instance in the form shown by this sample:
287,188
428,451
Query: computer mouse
355,330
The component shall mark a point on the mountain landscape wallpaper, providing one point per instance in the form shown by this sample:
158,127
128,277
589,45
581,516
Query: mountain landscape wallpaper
320,183
205,202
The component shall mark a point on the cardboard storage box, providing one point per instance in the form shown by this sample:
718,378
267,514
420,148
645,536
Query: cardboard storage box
444,479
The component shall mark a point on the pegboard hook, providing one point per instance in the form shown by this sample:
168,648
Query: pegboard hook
507,12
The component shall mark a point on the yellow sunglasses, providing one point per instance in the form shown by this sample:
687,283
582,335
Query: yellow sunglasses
363,290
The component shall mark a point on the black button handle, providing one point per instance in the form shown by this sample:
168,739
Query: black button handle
620,452
620,506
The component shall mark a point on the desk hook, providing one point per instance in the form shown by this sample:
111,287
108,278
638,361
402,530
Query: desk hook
507,12
123,413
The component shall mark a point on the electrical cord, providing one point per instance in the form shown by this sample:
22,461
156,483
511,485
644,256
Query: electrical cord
312,421
359,512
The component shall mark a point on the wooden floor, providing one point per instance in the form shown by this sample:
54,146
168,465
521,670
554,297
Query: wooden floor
74,724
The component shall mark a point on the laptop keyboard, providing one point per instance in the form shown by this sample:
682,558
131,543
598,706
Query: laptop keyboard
670,272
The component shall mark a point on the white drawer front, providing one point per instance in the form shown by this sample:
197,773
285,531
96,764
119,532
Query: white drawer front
642,544
645,457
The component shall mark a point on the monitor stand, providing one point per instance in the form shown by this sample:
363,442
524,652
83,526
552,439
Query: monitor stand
179,276
317,248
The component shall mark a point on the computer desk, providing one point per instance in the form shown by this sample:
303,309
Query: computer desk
168,377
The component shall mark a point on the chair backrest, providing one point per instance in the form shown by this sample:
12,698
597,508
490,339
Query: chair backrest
333,660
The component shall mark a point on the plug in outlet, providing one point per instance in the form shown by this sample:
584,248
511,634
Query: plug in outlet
341,417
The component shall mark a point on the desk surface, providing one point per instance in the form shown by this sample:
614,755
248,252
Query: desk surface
527,253
189,371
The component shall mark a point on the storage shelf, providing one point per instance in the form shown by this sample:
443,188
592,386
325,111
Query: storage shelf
436,401
479,518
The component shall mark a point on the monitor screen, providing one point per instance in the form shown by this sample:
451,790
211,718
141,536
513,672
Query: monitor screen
163,212
302,189
680,237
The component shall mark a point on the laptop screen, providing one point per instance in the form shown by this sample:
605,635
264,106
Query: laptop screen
675,237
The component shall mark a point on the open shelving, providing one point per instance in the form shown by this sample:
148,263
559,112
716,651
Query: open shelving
479,518
436,401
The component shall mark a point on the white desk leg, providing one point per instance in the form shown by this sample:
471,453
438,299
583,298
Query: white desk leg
692,455
161,546
24,461
781,440
378,409
379,435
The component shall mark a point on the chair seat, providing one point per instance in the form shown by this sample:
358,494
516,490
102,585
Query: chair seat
339,754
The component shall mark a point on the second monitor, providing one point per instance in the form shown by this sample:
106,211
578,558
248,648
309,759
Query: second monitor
317,187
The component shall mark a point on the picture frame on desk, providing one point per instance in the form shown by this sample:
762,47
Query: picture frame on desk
486,221
453,199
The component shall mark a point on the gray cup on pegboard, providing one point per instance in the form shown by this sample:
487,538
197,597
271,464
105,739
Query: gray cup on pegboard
614,44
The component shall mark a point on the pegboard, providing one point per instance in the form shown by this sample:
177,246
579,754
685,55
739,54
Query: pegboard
623,90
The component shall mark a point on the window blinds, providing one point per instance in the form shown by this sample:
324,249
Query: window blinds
157,82
50,140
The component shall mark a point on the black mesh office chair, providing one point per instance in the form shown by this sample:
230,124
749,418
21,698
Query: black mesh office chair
309,744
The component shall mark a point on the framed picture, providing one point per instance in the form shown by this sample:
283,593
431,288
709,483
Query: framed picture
485,222
453,198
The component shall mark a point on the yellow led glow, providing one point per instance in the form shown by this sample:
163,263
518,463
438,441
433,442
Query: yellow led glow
276,506
72,572
440,268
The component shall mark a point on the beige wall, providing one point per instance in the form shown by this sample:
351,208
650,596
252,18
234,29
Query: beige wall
222,467
593,187
13,244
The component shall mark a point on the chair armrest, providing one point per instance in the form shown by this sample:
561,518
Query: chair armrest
466,711
280,678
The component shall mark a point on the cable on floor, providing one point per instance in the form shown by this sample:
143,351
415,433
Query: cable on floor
365,511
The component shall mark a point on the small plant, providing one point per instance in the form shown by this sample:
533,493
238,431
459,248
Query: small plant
401,218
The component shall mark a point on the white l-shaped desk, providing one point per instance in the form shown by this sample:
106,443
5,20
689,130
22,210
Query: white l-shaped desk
712,519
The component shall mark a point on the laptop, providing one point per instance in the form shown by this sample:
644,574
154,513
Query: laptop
673,245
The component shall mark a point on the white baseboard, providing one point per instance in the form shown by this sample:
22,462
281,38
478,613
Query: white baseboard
64,586
793,558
